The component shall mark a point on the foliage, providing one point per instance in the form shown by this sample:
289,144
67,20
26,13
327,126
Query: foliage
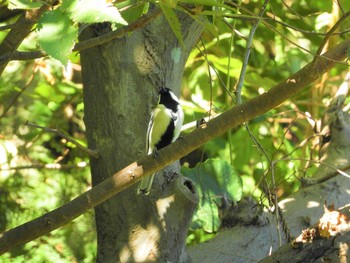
40,171
58,29
268,154
272,151
214,178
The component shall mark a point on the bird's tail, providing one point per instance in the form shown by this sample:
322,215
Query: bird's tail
145,185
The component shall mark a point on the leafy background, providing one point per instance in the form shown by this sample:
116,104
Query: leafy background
40,170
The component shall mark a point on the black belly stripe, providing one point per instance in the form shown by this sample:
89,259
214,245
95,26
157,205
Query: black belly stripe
167,137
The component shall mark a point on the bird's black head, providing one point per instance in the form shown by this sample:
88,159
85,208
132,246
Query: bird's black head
168,99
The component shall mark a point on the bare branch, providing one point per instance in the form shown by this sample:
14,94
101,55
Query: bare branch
272,18
88,151
18,55
6,13
48,166
15,98
247,53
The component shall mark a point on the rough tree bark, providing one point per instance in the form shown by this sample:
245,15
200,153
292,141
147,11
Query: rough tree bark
121,83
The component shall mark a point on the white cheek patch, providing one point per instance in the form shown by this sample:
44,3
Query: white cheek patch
174,97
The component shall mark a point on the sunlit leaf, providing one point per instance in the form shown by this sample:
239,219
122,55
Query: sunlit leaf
132,9
57,34
95,11
173,21
221,63
255,79
323,20
24,4
169,3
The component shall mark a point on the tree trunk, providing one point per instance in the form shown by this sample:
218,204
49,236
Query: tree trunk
121,83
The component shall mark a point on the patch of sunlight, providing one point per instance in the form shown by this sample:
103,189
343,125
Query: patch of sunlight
163,205
312,204
143,61
284,202
142,246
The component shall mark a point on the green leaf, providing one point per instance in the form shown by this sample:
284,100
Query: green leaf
206,217
44,90
215,41
23,4
221,63
132,9
254,79
214,178
170,3
95,11
67,5
173,21
57,34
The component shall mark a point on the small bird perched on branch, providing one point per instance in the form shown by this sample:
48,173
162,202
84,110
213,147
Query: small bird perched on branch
163,129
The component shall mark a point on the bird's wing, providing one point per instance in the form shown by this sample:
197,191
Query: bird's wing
178,123
150,124
160,119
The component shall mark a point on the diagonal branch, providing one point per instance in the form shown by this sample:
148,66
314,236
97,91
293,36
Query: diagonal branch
22,55
86,150
148,165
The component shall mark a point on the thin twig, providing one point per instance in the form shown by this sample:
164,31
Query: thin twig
285,37
210,79
279,215
239,91
273,19
119,33
247,53
49,166
293,11
68,138
204,54
15,98
340,6
331,31
312,181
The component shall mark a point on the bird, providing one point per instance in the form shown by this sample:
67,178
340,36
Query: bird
163,129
